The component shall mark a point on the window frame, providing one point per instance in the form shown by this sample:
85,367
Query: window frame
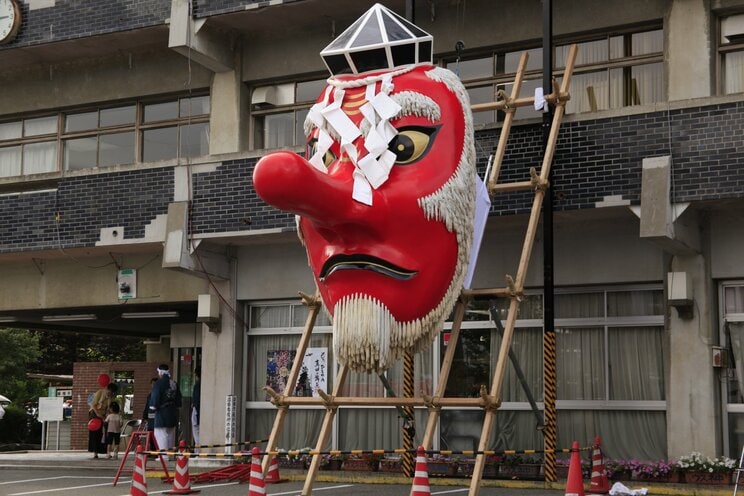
61,136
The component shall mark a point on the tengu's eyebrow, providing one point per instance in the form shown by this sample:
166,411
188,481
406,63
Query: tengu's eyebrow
417,104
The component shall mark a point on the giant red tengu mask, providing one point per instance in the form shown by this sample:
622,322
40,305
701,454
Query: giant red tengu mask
384,202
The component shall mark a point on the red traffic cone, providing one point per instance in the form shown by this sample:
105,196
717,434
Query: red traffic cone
272,477
257,486
575,483
600,483
139,480
421,476
182,481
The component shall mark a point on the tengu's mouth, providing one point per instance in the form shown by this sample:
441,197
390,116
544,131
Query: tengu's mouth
364,262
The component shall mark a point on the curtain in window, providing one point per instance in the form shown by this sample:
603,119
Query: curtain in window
10,161
625,434
527,346
580,362
300,430
646,84
636,363
736,335
734,68
375,428
40,157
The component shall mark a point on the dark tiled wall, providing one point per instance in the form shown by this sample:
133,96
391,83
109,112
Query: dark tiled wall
85,204
593,159
70,19
206,8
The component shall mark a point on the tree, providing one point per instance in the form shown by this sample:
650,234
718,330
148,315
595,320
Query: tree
60,350
21,355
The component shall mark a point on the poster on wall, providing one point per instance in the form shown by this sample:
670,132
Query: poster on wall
313,372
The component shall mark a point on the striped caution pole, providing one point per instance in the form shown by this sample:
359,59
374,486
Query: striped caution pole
550,430
408,429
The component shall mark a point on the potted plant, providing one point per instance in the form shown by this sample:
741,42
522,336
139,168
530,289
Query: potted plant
619,470
657,470
332,461
292,459
441,466
365,462
392,463
700,469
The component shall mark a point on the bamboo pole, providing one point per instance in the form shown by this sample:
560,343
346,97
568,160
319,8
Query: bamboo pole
444,370
325,433
313,303
495,392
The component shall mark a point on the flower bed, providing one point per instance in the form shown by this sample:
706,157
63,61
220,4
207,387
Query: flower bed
393,465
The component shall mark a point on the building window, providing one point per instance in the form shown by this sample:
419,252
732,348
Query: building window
611,356
731,53
279,113
732,311
611,353
106,136
612,71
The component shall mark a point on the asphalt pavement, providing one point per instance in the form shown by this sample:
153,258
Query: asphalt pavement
61,473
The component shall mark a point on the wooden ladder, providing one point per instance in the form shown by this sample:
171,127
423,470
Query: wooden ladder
488,400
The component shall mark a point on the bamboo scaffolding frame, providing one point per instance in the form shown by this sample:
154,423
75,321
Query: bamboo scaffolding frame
488,400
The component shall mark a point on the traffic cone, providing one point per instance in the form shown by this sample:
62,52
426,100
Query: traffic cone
257,486
600,483
272,477
181,480
421,475
575,483
139,480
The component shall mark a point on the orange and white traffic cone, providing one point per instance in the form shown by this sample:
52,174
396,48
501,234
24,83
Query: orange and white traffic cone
575,482
600,482
257,486
421,475
272,477
182,481
139,479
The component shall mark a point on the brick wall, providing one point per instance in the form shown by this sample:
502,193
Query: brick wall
71,19
85,382
594,159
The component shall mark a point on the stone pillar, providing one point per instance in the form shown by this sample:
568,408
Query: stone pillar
693,396
222,351
228,122
688,60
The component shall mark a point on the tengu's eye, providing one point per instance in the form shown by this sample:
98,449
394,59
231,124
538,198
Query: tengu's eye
412,143
312,147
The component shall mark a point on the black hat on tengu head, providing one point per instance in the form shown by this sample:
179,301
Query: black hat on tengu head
380,39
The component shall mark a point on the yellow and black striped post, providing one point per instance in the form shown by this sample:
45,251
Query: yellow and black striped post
408,376
550,430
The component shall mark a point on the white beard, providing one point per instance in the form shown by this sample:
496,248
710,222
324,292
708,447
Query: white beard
367,338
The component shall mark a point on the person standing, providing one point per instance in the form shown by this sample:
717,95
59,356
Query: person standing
196,405
99,409
113,431
165,399
148,415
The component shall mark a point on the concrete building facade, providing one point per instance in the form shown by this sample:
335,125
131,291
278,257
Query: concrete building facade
128,135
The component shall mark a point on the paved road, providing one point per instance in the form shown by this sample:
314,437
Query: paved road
41,481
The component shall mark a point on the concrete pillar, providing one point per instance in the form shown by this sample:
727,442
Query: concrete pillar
688,59
694,392
228,122
222,352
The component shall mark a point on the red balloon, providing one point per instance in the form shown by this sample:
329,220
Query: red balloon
94,424
103,380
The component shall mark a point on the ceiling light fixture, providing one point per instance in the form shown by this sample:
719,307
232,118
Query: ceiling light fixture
69,318
8,318
149,315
